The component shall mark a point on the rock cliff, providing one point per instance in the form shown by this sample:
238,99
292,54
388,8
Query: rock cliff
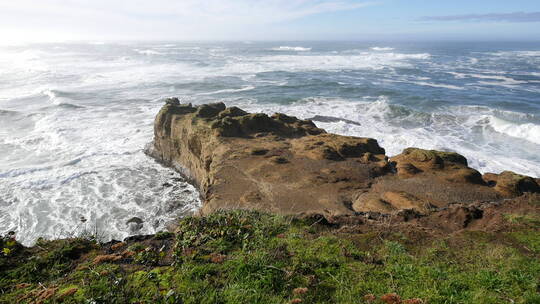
283,164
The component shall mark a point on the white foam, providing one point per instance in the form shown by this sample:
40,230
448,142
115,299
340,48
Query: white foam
458,75
517,53
148,52
292,48
382,49
364,60
526,131
503,79
88,163
500,80
55,99
246,88
438,85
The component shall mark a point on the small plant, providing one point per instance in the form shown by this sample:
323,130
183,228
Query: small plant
148,256
251,257
163,235
137,247
224,231
8,244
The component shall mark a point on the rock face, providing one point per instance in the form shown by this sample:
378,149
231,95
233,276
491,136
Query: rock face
287,165
510,184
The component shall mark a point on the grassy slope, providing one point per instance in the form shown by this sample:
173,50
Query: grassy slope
248,257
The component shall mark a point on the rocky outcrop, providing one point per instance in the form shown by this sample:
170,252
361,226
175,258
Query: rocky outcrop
283,164
274,163
510,184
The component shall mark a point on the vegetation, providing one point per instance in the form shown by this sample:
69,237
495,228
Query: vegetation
250,257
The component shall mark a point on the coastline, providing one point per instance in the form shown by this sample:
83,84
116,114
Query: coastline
420,227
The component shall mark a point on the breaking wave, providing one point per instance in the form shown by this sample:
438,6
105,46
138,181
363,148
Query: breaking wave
382,49
526,131
292,48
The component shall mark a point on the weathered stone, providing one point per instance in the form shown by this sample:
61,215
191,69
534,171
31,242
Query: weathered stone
450,166
210,110
232,112
283,164
134,224
173,101
371,202
403,200
270,163
389,202
490,179
511,184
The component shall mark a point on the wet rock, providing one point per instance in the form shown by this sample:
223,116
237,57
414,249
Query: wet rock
323,118
134,224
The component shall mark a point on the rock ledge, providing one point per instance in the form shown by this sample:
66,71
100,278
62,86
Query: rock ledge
286,165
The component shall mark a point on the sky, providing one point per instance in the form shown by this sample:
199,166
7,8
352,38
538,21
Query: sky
109,20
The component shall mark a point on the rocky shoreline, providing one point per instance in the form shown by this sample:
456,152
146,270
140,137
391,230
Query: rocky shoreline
286,165
292,214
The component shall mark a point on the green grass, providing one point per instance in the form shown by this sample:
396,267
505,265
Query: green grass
250,257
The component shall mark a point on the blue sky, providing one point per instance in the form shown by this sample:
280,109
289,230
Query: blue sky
432,19
53,20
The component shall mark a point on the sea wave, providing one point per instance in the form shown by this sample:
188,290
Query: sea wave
438,85
292,48
527,131
365,60
149,52
382,49
58,98
23,171
246,88
8,113
516,53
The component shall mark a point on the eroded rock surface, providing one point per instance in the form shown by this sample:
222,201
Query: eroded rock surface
283,164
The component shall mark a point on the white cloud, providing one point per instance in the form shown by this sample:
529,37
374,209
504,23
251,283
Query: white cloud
159,19
501,17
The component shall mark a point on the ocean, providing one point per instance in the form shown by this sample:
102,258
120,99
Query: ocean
75,117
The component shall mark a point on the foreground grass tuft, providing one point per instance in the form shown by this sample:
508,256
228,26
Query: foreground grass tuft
251,257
